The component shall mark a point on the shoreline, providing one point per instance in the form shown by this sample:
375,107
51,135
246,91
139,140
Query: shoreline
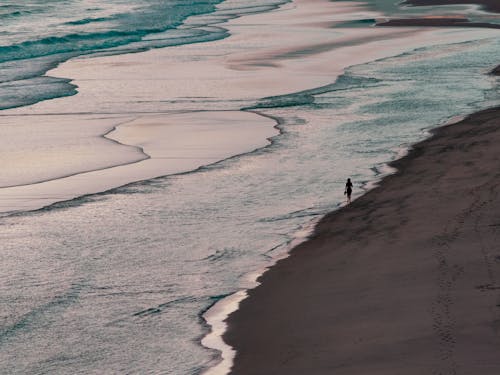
437,22
170,151
125,284
487,5
216,315
244,77
313,320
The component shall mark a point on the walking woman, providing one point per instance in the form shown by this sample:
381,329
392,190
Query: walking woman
348,190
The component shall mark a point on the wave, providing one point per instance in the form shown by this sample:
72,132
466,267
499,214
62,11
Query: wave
307,97
16,13
13,11
85,21
25,56
79,43
30,91
147,24
68,43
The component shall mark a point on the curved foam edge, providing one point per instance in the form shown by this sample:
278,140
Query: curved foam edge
167,140
216,315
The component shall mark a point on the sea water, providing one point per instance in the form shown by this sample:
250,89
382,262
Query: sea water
38,35
118,282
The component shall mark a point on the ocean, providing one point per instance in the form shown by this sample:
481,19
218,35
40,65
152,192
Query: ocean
116,278
39,35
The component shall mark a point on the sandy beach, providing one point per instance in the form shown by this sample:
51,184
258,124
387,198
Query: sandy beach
159,156
404,280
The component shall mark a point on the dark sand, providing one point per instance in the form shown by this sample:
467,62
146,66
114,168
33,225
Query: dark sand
405,280
438,22
488,5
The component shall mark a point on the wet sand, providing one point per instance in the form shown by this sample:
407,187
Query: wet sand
405,280
137,89
437,22
446,21
488,5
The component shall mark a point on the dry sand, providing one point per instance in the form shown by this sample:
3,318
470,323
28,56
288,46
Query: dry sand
405,280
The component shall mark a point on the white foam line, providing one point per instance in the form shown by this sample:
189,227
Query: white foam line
168,141
216,316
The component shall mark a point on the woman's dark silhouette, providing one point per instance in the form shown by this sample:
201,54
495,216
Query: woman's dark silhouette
348,190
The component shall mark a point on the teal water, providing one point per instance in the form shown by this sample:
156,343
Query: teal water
38,35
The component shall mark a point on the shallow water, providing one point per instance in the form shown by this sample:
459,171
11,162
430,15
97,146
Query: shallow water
39,35
117,282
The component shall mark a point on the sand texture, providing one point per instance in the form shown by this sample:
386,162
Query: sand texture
405,280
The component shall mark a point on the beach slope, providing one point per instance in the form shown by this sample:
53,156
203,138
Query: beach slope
405,280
